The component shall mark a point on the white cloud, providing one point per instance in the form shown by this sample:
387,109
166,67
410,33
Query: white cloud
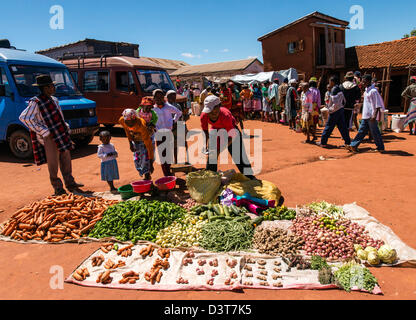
188,55
225,50
206,50
252,57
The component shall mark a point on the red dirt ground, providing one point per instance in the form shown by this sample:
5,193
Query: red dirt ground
381,183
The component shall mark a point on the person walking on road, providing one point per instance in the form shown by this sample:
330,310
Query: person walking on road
352,94
410,93
373,108
291,103
50,135
336,114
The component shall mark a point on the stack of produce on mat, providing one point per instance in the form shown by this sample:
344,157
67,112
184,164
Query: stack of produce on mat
278,213
181,199
374,257
332,238
185,232
56,219
137,220
326,209
217,211
352,275
227,235
276,242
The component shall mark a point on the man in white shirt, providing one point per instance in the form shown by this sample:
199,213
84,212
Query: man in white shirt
373,108
167,116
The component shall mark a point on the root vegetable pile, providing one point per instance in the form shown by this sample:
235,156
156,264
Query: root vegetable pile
276,242
227,235
55,219
186,232
137,220
334,240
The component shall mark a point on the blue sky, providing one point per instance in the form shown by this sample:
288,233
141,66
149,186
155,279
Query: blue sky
193,31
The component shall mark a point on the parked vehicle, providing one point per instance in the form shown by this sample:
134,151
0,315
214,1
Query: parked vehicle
18,72
117,82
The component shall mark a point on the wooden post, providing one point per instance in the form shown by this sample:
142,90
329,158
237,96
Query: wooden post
333,47
387,91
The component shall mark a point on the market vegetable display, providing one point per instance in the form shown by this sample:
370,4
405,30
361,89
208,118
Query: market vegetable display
276,242
352,275
318,263
227,235
137,220
326,209
279,213
185,232
217,211
55,219
385,254
334,240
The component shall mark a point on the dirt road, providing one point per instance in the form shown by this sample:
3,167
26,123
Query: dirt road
381,183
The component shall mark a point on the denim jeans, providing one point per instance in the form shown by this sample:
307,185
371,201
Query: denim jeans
336,119
372,126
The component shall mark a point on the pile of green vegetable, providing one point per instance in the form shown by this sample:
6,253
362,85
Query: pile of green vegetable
136,220
185,232
217,211
279,213
227,235
353,275
325,275
327,209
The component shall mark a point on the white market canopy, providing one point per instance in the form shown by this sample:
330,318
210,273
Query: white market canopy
266,76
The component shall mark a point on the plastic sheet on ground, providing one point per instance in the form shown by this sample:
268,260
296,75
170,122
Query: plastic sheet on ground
233,271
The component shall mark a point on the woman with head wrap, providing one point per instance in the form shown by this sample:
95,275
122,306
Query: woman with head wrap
140,142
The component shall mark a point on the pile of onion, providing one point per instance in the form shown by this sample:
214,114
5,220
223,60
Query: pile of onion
331,244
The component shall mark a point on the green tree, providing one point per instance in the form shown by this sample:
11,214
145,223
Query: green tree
412,34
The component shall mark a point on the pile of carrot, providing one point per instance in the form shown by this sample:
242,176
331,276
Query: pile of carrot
55,219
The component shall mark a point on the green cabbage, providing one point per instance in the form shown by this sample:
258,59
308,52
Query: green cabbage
387,254
373,258
362,255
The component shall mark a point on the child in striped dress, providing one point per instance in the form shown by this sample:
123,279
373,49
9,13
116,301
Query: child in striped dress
108,154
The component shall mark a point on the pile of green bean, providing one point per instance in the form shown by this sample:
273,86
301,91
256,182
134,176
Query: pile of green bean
227,235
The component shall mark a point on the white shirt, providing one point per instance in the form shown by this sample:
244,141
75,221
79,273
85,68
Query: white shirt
104,150
164,114
372,102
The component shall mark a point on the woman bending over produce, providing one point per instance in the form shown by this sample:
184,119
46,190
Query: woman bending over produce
140,142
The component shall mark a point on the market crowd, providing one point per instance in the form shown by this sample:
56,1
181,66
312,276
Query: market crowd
223,106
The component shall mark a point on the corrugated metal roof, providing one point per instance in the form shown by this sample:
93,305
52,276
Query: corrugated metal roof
85,41
398,53
206,69
113,61
168,64
18,55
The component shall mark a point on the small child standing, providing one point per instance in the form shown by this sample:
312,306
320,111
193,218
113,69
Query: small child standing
108,154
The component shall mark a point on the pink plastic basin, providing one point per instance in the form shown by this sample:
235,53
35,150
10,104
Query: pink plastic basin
166,183
141,186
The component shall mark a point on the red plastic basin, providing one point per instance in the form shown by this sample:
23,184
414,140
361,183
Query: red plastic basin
166,183
142,186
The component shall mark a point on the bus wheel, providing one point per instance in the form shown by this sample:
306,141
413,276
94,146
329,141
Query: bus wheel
20,144
83,141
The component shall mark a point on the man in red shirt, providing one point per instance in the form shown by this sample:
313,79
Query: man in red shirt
221,118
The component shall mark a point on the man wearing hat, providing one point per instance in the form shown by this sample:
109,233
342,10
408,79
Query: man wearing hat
410,93
221,118
352,94
50,135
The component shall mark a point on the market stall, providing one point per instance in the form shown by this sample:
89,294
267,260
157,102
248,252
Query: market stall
224,232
